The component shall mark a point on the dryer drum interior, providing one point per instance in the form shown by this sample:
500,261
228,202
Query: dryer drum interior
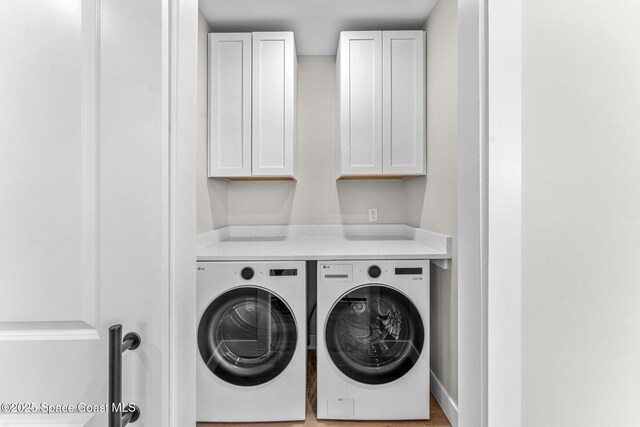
374,334
247,336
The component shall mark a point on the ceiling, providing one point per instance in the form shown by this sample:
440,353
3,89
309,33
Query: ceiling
316,23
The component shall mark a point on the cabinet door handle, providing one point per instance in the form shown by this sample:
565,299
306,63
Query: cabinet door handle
120,415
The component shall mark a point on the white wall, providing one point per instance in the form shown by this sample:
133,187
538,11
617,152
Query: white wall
316,197
211,194
581,213
432,201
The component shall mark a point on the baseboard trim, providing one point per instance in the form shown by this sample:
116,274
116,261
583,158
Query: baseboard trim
449,407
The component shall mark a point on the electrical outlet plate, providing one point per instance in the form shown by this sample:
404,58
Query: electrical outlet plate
373,215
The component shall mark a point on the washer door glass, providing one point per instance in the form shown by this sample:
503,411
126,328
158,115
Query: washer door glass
374,334
247,336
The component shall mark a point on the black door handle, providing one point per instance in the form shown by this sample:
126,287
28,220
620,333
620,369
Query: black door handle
119,414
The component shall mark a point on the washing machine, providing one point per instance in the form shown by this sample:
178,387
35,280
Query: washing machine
373,340
251,341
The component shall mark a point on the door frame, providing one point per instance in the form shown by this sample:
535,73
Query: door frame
489,209
489,213
179,53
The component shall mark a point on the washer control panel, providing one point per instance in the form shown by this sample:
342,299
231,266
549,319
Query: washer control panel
373,271
336,272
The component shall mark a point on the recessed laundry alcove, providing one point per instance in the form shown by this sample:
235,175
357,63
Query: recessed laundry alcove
315,197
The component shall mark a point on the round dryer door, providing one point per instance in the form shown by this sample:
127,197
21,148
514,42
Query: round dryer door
374,334
247,336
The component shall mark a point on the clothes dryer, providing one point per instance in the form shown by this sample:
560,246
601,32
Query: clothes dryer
251,341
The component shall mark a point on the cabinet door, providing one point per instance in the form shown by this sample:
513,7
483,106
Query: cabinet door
403,94
229,104
360,103
274,104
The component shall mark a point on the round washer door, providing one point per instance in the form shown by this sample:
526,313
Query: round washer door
247,336
374,334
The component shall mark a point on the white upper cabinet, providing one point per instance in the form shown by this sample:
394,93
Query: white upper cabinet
403,103
381,104
274,104
359,84
229,104
252,105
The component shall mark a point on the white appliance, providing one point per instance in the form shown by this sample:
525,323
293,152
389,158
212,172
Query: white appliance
373,340
251,341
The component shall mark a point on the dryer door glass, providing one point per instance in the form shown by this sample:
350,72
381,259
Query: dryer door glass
247,336
374,334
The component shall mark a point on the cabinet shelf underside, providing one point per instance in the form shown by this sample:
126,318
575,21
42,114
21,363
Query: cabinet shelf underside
355,177
255,178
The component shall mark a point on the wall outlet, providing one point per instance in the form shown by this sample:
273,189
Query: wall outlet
373,215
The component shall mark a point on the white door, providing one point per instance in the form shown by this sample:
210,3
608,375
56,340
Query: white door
360,102
230,104
403,105
85,239
274,104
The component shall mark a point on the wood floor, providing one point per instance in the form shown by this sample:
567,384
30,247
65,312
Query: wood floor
437,416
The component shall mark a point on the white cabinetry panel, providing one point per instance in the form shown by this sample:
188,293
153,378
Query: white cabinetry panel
360,102
229,104
381,104
252,105
274,104
403,111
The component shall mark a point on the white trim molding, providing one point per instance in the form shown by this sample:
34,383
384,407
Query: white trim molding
44,420
472,225
47,331
489,213
181,128
504,272
446,402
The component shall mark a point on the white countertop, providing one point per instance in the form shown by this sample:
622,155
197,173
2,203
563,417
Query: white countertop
324,242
